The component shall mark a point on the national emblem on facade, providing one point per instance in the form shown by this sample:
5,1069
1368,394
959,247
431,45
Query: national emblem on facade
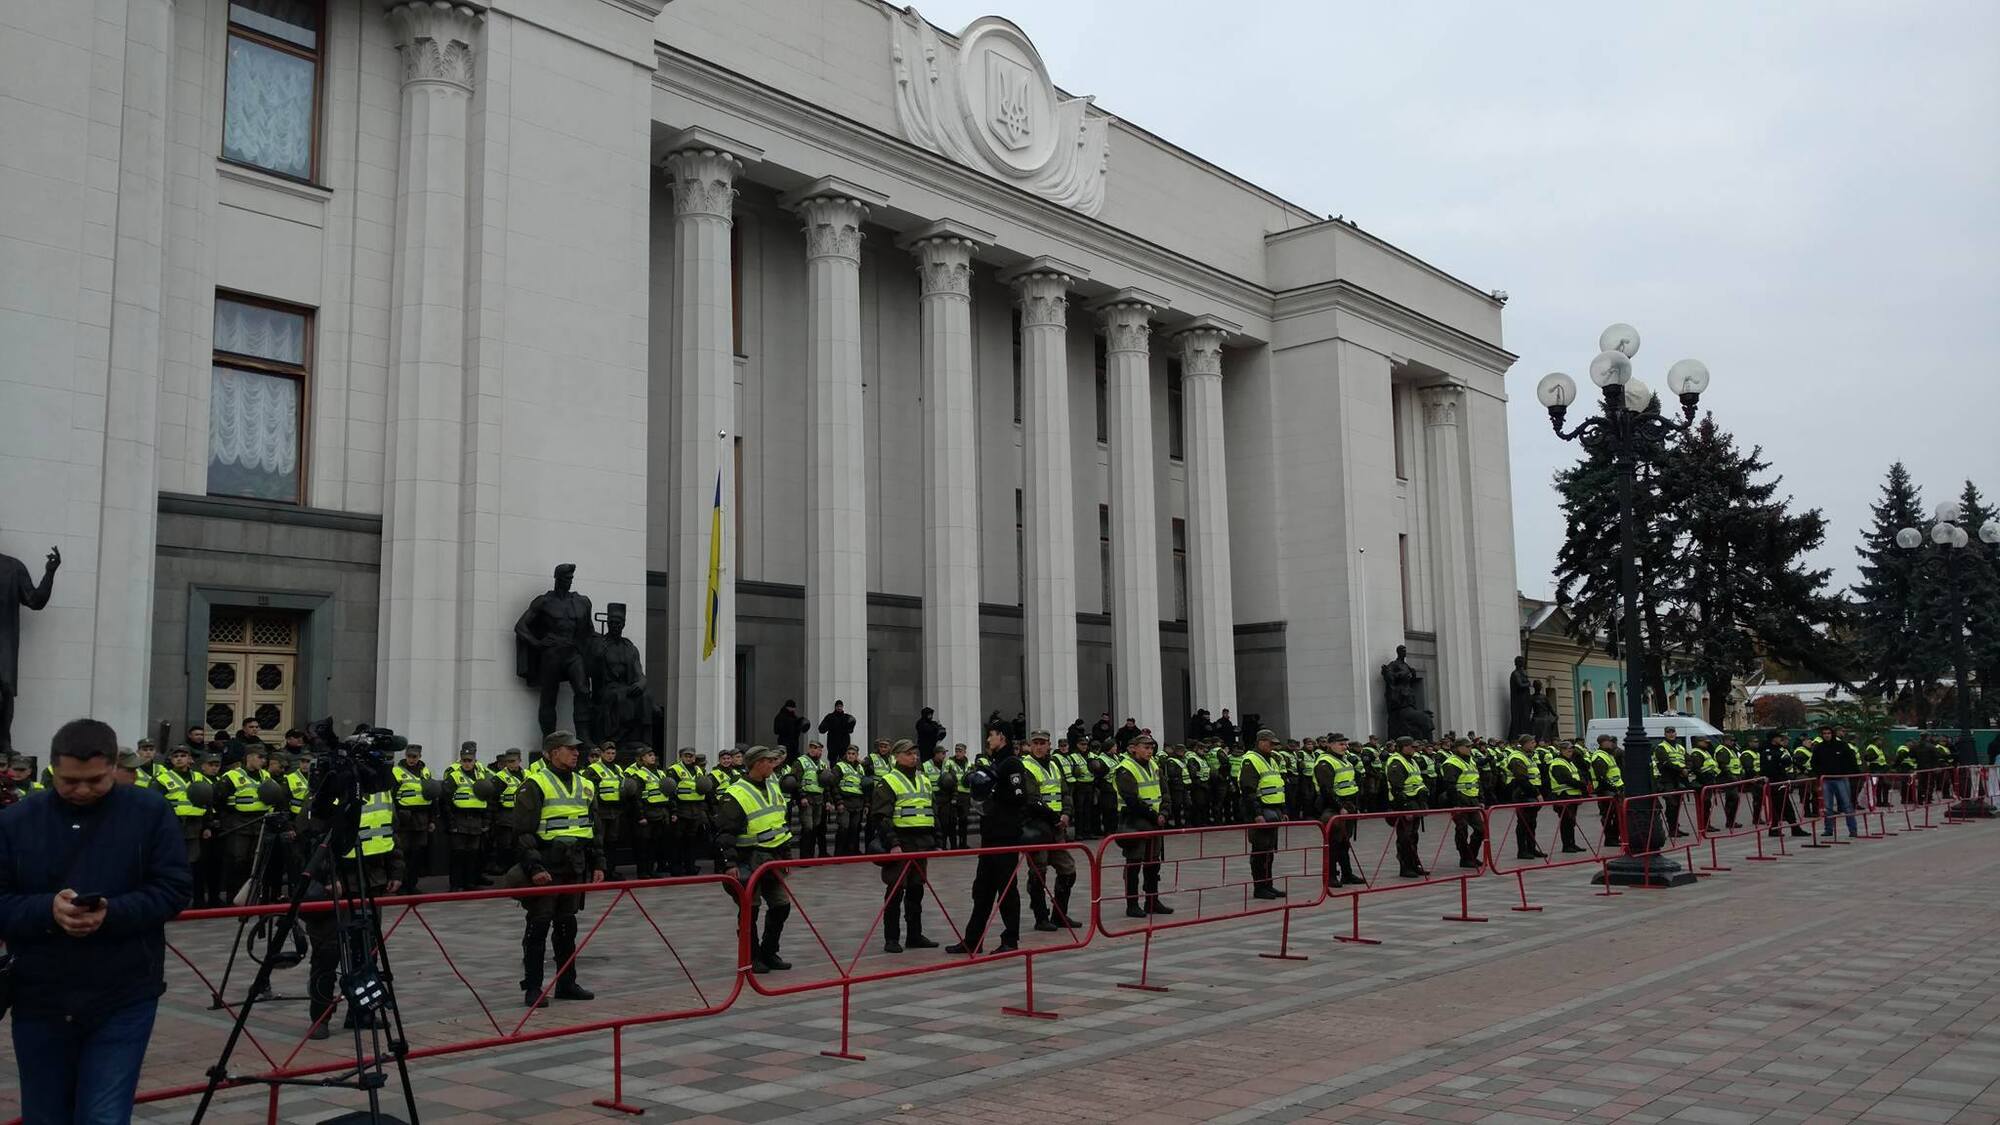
987,102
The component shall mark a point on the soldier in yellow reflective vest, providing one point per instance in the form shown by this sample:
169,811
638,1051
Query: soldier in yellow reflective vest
690,816
288,770
172,783
470,816
614,825
1524,778
1565,777
903,805
1137,782
243,807
1607,783
416,814
852,810
652,824
1336,780
750,832
556,829
1459,778
506,771
372,857
1051,789
1405,787
1670,766
810,769
1263,787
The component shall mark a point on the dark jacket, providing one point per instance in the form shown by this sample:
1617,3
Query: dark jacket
134,856
789,729
838,727
1835,758
1015,795
930,732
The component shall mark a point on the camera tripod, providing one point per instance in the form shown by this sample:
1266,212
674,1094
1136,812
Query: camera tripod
261,928
365,979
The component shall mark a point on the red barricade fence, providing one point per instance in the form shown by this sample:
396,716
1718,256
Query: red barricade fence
1530,836
841,904
815,887
1729,811
276,1043
1377,839
1207,875
1665,821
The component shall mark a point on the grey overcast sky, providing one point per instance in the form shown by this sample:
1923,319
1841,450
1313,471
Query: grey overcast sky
1803,195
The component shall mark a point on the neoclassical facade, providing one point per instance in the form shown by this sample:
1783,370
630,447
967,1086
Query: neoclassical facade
331,328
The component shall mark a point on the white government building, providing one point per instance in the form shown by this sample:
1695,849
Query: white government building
331,327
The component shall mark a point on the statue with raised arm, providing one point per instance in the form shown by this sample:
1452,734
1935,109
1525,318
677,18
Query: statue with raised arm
551,640
623,710
17,589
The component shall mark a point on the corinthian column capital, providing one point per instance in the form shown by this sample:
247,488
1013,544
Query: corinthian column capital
704,166
1041,288
435,38
1441,403
1127,318
944,251
833,209
1201,341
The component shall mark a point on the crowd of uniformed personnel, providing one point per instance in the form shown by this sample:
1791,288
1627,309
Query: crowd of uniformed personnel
569,816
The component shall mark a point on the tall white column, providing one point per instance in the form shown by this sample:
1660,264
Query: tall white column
1211,605
417,678
702,700
1135,548
1041,288
836,498
944,252
127,519
1445,484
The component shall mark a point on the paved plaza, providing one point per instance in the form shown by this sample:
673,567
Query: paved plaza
1846,984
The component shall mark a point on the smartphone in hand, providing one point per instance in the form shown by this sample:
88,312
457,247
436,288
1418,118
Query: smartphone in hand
87,902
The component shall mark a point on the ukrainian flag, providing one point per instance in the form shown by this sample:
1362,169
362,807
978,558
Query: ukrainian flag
714,571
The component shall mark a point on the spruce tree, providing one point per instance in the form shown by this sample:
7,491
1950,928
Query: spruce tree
1979,583
1897,605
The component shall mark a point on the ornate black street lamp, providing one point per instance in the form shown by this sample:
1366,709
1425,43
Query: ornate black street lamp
1625,430
1949,538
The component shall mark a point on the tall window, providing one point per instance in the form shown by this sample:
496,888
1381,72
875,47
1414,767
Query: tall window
1176,412
1180,571
1020,546
271,95
1403,563
256,399
1104,551
1396,421
1611,697
736,498
1103,396
1015,329
1587,700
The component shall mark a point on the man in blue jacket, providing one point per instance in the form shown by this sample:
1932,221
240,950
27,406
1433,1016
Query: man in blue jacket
90,872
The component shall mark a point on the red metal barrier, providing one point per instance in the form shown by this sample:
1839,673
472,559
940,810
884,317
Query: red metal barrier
1402,836
1216,883
846,972
1532,833
408,913
1728,812
1671,816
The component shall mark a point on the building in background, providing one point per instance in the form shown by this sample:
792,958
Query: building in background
332,328
1588,682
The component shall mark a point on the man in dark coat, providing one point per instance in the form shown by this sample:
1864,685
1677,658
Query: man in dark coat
790,728
838,727
930,733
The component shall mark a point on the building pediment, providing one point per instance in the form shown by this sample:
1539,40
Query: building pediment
986,101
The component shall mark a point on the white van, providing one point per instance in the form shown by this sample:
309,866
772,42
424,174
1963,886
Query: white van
1685,727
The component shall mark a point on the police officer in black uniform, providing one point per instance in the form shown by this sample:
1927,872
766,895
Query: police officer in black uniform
1001,818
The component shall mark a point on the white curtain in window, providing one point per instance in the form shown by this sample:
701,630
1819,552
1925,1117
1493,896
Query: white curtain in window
253,421
268,108
266,333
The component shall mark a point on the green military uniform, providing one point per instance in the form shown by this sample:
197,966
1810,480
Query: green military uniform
470,818
1263,783
852,808
379,866
557,833
811,808
1050,787
1336,778
1137,786
416,816
653,815
750,831
506,772
1404,784
1460,782
614,827
904,807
